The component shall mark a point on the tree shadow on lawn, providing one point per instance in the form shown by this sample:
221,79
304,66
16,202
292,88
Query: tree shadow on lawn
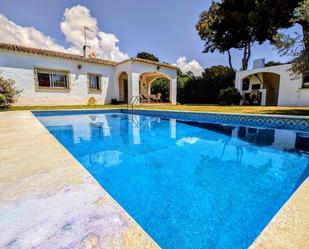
296,112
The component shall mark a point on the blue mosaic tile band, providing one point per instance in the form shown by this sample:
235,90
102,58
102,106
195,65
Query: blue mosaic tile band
267,121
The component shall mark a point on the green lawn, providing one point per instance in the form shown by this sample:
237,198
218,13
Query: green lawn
199,108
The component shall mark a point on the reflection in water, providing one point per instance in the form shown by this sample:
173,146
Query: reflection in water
99,125
63,133
187,140
275,138
106,158
223,129
261,137
173,128
136,126
100,129
302,141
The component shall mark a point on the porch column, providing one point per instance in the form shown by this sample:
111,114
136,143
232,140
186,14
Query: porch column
238,82
133,85
173,90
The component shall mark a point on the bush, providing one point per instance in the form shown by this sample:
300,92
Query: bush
162,86
229,96
204,89
114,102
147,56
8,93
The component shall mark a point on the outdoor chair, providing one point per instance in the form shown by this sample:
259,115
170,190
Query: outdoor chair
157,97
143,98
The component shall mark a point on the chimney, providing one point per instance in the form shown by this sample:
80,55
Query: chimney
259,63
86,51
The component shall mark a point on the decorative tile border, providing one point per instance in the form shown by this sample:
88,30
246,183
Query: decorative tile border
267,121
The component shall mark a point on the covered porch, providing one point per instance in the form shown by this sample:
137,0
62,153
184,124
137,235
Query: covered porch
261,89
138,78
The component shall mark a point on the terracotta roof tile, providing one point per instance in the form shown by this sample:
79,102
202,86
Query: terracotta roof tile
149,62
75,57
56,54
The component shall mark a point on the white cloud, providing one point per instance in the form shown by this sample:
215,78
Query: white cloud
72,27
103,44
28,36
191,66
187,140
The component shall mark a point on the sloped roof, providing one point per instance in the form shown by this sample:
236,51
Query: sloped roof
55,54
149,62
74,57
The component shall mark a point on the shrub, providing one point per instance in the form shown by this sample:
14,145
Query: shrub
229,96
204,89
8,93
147,56
114,102
162,86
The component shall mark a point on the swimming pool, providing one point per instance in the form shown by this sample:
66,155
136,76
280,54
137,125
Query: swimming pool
188,184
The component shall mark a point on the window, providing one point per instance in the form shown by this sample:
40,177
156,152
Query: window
256,86
46,78
245,84
94,82
306,81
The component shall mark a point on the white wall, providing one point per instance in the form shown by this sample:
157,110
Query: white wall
291,92
19,67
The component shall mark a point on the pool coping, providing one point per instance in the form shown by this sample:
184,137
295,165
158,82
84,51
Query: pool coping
33,176
289,228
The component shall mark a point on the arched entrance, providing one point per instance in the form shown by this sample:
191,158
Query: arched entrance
155,86
123,87
261,89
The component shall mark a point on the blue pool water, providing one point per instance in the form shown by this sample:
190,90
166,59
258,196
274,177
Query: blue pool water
189,185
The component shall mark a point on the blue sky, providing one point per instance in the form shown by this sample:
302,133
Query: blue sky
164,28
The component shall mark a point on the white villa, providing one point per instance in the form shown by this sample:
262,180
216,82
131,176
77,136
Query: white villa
272,86
49,77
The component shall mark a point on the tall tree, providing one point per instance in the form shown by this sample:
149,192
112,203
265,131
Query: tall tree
298,45
210,27
147,56
234,24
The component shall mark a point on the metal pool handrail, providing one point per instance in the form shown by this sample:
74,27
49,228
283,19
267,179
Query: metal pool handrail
133,100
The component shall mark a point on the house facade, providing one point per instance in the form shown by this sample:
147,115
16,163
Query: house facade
49,77
273,86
